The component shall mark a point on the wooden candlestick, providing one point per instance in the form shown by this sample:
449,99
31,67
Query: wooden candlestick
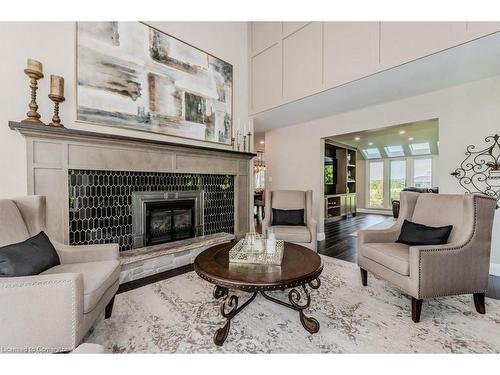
56,120
249,141
34,71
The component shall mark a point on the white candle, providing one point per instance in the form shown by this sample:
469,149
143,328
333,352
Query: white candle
56,85
35,65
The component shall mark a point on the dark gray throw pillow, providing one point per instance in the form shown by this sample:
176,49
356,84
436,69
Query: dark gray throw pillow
29,257
414,234
288,217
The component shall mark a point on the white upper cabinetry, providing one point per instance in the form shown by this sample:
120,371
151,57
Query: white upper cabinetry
291,60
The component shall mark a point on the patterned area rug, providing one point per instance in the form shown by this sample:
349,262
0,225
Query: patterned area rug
179,315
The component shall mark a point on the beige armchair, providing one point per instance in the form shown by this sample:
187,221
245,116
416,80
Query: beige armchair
290,200
53,311
459,267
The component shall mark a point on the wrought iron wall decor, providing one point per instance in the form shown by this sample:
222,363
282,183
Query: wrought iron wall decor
480,170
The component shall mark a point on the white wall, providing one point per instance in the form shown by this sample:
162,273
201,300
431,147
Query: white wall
466,113
53,43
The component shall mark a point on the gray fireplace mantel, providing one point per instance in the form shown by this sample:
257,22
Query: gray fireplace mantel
52,152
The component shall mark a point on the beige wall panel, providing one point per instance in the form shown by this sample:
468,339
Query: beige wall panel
243,205
478,29
53,184
243,167
47,153
117,159
351,51
267,79
205,164
291,27
303,62
405,41
264,35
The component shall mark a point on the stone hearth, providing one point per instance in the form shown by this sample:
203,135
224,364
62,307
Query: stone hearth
150,260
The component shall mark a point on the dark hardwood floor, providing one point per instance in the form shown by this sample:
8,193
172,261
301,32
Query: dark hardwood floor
339,244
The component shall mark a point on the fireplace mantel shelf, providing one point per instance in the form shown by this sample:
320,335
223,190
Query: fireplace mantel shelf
45,130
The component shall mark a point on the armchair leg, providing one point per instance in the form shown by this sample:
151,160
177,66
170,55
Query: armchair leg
416,309
364,277
479,303
109,308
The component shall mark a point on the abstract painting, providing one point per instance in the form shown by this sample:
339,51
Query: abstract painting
132,75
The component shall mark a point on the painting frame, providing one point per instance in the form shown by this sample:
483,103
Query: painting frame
228,141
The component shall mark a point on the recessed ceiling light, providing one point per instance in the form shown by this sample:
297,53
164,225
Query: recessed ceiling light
370,143
357,138
261,142
402,131
411,139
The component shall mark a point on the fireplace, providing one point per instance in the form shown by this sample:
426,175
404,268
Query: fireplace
166,216
168,221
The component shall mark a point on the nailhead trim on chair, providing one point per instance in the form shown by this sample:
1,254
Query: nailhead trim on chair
475,197
13,285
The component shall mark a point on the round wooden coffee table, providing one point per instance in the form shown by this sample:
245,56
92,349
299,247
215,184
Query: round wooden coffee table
300,269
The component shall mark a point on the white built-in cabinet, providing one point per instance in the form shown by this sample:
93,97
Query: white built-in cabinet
292,60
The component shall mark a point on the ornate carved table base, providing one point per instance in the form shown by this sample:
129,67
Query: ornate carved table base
229,307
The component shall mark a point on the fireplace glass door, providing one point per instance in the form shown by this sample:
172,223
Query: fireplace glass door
168,221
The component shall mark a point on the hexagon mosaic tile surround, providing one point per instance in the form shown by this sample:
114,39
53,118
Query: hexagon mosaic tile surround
100,202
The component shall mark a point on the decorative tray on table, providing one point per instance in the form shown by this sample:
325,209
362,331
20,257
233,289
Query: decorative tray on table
257,250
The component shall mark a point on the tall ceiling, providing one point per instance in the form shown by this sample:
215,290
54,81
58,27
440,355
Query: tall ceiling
468,62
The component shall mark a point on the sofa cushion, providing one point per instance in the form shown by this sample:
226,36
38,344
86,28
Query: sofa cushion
292,233
392,255
97,278
12,226
29,257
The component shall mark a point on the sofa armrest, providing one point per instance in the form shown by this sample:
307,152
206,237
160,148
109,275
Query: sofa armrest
40,313
454,268
390,234
312,225
86,253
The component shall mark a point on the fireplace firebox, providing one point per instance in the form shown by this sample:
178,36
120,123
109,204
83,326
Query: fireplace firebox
166,216
168,221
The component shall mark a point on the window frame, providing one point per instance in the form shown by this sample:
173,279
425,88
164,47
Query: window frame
410,178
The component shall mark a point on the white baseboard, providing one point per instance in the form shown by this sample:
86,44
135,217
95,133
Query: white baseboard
495,269
321,236
374,211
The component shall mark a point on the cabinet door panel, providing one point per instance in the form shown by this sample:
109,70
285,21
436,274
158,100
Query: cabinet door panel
266,79
351,51
401,42
264,35
344,203
303,62
291,27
